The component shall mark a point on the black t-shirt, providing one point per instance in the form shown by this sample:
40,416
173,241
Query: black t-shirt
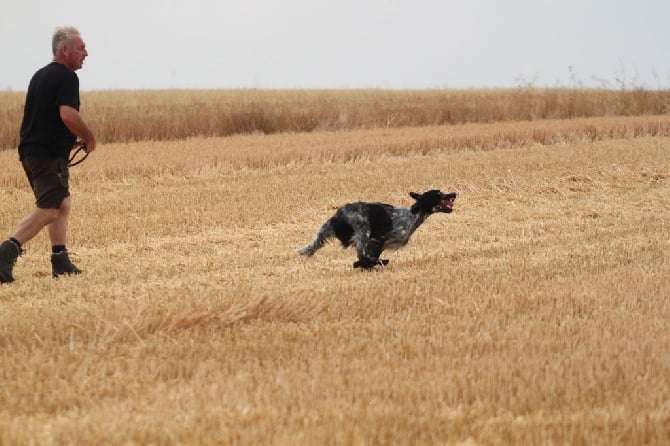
43,133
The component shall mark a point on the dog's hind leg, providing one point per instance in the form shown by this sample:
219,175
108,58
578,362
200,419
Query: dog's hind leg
322,237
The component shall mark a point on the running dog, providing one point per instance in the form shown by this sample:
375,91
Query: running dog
374,227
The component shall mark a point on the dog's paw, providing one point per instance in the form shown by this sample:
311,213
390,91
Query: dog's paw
365,264
369,263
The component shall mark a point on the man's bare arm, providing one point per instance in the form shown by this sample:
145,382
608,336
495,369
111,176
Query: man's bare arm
76,124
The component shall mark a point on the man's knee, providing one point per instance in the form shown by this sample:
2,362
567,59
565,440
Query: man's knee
49,215
65,205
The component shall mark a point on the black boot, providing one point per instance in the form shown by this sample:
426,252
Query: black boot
9,252
61,265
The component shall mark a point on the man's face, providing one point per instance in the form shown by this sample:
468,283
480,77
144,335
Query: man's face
75,53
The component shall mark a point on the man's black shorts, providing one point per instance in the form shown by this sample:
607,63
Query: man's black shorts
48,179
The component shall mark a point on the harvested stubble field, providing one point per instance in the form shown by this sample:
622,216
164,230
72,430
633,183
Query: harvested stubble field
537,312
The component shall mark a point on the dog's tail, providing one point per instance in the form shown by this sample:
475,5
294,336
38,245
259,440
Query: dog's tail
322,237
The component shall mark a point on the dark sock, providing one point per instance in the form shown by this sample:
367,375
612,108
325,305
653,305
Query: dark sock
16,242
57,249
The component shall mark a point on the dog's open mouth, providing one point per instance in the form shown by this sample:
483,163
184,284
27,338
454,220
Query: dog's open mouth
446,205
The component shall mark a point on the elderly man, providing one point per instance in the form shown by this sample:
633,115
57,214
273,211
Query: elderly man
51,124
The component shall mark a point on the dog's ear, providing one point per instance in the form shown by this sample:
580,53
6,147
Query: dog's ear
414,195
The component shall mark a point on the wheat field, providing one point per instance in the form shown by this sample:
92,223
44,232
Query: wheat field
140,115
536,313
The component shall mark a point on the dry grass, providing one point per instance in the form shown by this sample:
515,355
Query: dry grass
126,116
536,313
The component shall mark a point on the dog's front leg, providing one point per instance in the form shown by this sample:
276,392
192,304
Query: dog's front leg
374,249
368,257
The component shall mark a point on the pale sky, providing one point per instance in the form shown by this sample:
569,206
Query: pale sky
307,44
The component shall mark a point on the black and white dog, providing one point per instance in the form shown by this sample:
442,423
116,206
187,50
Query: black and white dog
373,227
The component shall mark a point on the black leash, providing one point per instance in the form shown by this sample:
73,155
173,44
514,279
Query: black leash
79,146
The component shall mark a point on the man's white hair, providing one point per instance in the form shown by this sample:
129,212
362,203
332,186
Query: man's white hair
61,36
